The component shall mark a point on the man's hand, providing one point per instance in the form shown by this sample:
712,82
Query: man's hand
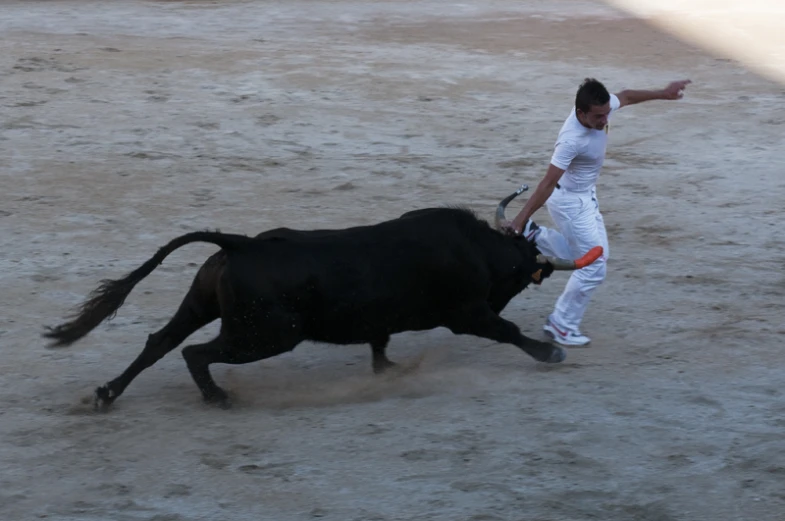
675,90
509,228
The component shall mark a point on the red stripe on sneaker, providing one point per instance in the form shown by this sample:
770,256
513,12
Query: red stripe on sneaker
562,333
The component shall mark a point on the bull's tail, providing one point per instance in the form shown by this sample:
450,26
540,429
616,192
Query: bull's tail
107,298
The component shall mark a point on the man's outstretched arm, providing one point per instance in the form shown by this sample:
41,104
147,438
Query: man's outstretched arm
674,91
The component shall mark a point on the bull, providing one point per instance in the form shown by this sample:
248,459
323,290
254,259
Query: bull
428,268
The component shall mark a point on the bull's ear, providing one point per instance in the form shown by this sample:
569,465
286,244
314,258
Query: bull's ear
542,272
537,276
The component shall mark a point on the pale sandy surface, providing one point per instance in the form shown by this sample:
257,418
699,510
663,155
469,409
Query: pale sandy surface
747,30
124,124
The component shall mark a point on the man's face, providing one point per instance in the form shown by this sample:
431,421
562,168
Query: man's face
596,118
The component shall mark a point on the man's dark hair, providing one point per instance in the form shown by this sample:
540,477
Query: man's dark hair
591,93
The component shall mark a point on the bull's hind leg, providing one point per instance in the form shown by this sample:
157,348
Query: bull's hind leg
480,320
196,311
198,358
380,363
251,345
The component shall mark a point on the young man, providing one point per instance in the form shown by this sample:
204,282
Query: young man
569,191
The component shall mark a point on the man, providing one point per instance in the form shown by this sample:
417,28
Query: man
569,191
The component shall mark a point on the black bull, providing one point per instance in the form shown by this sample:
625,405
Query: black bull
429,268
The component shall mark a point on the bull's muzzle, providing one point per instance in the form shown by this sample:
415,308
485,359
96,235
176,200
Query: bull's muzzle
557,263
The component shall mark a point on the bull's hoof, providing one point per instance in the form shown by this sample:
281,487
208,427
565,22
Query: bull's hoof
219,398
221,403
383,366
558,355
103,398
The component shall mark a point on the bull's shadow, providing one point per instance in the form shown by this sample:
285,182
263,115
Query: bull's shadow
429,268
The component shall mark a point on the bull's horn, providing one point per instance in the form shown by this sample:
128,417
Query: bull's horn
564,264
503,205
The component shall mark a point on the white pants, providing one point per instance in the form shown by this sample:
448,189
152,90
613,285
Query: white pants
580,228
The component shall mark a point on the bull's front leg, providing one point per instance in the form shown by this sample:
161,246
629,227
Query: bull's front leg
480,320
380,363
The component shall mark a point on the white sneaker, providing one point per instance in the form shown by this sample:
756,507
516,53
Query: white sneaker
566,338
531,230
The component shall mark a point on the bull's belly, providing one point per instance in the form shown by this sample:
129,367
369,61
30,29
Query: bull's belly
335,315
360,328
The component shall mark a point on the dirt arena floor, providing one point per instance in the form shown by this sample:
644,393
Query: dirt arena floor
125,124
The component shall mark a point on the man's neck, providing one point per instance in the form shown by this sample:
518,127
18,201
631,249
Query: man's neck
584,125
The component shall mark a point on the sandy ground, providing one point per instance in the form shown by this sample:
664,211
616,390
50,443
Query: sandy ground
124,124
746,30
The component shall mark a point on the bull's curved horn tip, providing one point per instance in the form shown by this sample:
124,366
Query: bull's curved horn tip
565,264
590,256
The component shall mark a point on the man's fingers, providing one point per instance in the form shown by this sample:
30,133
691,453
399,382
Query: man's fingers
676,88
509,228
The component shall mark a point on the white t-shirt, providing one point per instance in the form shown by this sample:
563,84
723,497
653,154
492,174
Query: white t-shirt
580,152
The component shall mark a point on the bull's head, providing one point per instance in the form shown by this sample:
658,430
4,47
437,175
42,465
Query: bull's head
557,263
